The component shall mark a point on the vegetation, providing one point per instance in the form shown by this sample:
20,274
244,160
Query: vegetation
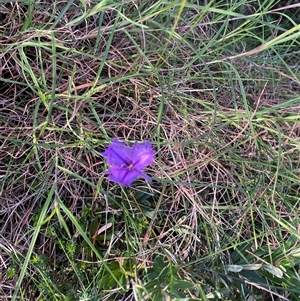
214,86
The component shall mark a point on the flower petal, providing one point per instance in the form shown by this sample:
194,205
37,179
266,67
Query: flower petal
123,176
146,177
118,154
126,164
142,154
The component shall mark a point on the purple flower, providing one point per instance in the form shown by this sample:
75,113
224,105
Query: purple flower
126,163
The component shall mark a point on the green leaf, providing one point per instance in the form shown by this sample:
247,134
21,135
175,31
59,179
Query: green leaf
107,280
158,264
233,268
277,272
163,275
182,284
287,263
252,267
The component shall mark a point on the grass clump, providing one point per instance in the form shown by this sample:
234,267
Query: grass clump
214,86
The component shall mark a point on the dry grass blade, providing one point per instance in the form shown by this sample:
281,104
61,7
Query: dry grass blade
215,88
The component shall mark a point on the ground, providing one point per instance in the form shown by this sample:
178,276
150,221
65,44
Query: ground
214,86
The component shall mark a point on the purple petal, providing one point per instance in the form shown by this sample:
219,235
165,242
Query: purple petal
118,154
146,177
126,164
123,176
142,155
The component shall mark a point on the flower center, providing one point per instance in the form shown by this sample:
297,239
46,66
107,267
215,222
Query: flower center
130,166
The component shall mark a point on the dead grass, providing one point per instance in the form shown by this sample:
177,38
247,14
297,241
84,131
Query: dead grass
226,135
